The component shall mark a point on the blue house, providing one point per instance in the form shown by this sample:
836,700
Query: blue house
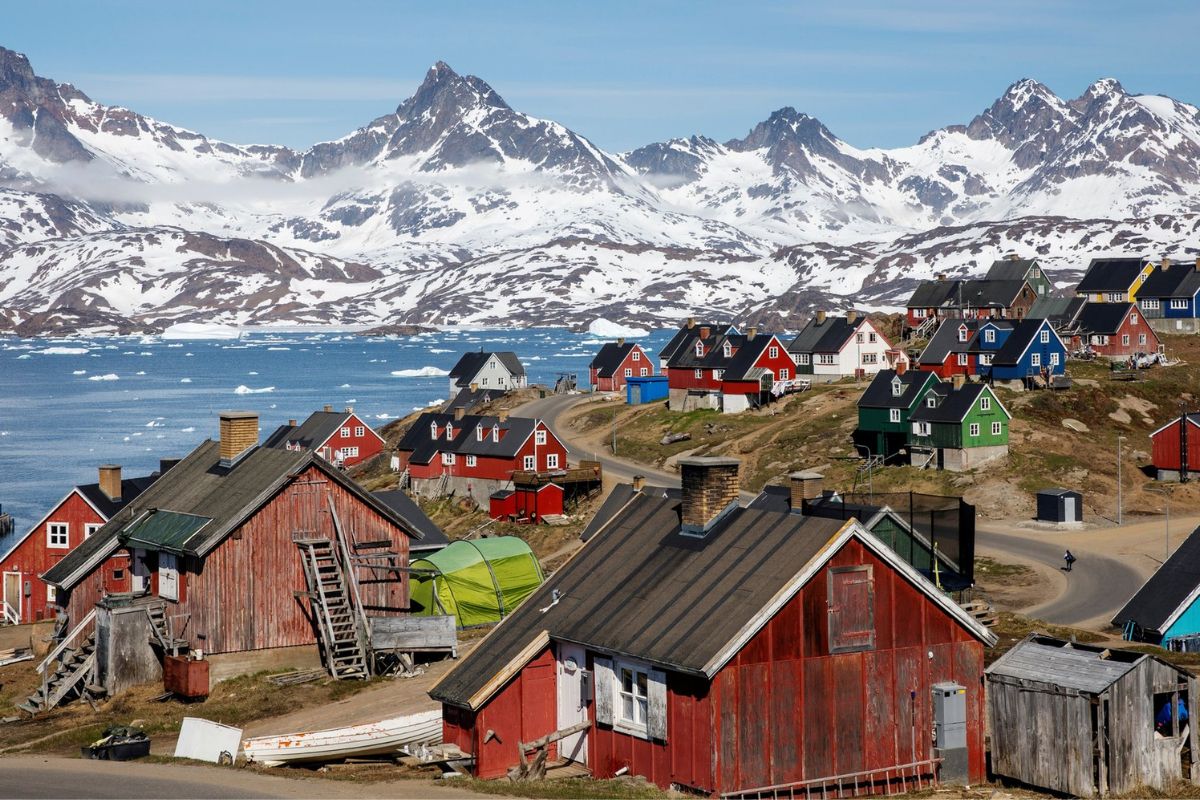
1166,611
648,389
986,342
1032,348
1168,298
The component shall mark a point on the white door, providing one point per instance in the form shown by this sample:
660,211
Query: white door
12,598
140,578
1069,509
572,700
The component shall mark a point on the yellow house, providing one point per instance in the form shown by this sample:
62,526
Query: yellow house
1115,280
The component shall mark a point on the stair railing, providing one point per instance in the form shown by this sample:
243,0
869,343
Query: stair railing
349,576
10,613
43,668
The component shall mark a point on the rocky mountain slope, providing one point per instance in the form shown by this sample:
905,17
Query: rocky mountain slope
458,208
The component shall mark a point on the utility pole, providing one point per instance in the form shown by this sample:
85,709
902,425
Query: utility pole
614,432
1119,440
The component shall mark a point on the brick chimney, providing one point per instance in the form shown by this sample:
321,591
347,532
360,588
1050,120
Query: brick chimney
1198,263
291,423
851,316
958,381
820,317
804,486
691,323
620,341
941,276
705,331
239,433
710,491
459,413
1166,263
639,482
328,409
474,387
751,332
110,481
901,367
503,416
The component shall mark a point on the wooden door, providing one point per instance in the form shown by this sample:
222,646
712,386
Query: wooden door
140,572
572,700
12,594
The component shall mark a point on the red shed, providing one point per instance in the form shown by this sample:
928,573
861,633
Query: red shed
617,361
725,650
1168,444
73,519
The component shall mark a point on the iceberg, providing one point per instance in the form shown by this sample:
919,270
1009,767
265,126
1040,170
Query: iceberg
112,376
200,330
608,329
63,351
423,372
244,389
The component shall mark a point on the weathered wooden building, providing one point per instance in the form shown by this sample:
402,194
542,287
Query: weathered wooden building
1081,719
728,651
1175,448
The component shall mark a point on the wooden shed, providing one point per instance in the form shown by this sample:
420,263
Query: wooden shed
1080,719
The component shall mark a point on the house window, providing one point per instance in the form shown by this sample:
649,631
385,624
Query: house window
897,387
726,350
772,352
345,433
918,313
449,431
699,348
1035,359
851,609
479,434
1133,319
985,359
985,404
471,461
168,577
962,333
433,430
1044,337
931,401
447,459
529,463
628,372
643,372
1176,304
1125,339
637,356
989,335
492,364
57,535
1115,297
483,382
1054,359
803,358
51,594
997,428
826,358
870,358
893,415
872,338
495,433
974,429
785,374
359,430
718,374
858,338
1152,305
349,452
699,373
962,359
539,437
921,428
1141,338
91,528
552,461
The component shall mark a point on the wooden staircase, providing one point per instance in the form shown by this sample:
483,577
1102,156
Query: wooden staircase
161,633
982,611
335,608
73,678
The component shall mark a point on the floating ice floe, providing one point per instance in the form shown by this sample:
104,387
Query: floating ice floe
140,372
244,389
80,372
344,386
185,380
199,330
111,376
439,350
279,348
423,372
607,328
63,351
188,429
23,356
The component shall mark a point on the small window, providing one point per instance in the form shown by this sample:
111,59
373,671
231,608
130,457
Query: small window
447,459
974,429
962,333
1125,339
495,433
58,535
633,700
1044,337
1116,297
858,338
529,463
433,430
1035,359
643,372
552,461
483,382
985,404
1141,339
870,358
471,461
360,430
349,452
539,437
51,594
699,373
997,428
699,348
785,374
773,352
826,359
479,434
628,372
962,359
803,358
989,335
897,387
872,338
718,374
851,593
918,313
1151,305
985,359
931,401
894,415
449,431
91,528
1054,359
1133,319
1176,304
346,433
118,574
637,355
726,350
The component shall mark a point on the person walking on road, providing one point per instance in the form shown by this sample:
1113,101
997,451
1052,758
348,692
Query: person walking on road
1068,557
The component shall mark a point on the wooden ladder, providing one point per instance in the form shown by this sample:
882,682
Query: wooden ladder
69,680
334,608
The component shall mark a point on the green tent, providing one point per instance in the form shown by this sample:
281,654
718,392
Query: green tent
478,581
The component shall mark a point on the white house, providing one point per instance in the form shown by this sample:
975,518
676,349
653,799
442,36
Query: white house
488,371
829,348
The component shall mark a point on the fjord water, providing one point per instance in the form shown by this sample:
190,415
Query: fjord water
67,406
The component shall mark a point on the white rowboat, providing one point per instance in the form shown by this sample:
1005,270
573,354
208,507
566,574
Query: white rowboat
376,738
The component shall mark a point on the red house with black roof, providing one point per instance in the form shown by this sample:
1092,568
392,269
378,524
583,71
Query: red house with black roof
340,437
72,520
727,371
1114,330
617,361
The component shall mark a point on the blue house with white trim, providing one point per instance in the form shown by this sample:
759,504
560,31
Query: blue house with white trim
1168,298
1032,348
986,342
1166,610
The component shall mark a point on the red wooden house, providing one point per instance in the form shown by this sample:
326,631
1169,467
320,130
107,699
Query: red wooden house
617,361
726,371
73,519
725,650
215,540
1170,442
340,437
948,352
1113,330
476,456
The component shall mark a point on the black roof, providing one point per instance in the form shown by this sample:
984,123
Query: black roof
1168,588
610,357
976,344
743,359
1176,280
130,489
945,340
933,294
685,333
989,293
432,537
200,486
1059,492
953,404
1110,274
469,364
1061,311
642,588
1102,318
743,351
311,433
621,494
825,337
1010,269
469,400
1020,339
419,439
879,394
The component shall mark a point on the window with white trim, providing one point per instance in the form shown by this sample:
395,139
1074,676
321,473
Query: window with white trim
962,359
931,401
349,452
433,430
918,313
637,355
529,463
826,358
1176,304
803,358
360,430
633,699
727,349
472,461
346,433
718,374
989,335
483,382
1141,338
897,387
893,415
552,461
962,333
699,348
51,593
974,429
1044,337
479,434
858,338
628,372
997,428
449,431
447,459
643,372
872,338
1133,319
699,373
985,359
1115,297
91,528
772,352
1054,359
870,358
785,374
168,576
1125,339
58,534
539,437
495,433
1151,304
1035,359
921,428
985,404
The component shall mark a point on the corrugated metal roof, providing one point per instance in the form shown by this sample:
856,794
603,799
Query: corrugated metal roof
1064,666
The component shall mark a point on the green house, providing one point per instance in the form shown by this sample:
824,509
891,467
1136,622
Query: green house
884,410
958,427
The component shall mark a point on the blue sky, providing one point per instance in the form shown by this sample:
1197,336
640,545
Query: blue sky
878,73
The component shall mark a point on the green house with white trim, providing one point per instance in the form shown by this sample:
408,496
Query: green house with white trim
958,426
884,410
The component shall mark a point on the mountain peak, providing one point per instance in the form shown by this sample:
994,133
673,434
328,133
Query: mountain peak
1104,86
15,69
444,89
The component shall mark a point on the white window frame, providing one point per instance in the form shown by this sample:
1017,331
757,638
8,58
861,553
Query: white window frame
639,703
727,349
1054,359
643,372
483,382
1044,337
552,461
472,461
985,404
872,338
51,593
168,576
1176,303
1124,339
1151,304
827,359
433,430
448,459
346,432
1035,359
1133,319
985,359
785,374
718,374
893,415
973,430
918,313
495,433
637,356
1116,297
772,352
479,434
931,401
628,372
870,358
360,431
963,333
58,535
989,335
803,358
349,452
858,338
90,528
897,387
539,437
1141,338
449,431
699,373
529,463
997,428
699,348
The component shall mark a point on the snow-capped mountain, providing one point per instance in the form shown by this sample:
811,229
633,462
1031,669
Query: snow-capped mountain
457,208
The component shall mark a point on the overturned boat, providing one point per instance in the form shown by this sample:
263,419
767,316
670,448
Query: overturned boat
394,736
